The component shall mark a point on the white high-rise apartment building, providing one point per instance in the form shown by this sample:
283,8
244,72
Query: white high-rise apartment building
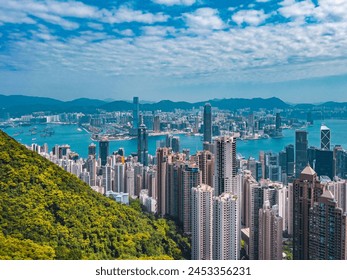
201,219
226,227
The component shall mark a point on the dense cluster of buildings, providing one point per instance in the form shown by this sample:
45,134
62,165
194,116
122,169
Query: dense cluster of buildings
231,207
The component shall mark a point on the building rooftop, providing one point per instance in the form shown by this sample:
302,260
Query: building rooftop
204,188
324,127
308,171
327,194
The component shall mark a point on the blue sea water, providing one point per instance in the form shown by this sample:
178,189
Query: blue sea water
80,139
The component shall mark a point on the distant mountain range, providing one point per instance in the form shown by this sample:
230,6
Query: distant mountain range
17,105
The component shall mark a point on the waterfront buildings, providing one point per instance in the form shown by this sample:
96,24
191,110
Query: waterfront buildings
208,123
104,150
210,193
142,145
301,145
136,111
325,138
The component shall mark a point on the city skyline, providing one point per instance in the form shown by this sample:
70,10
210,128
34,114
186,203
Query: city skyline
227,205
186,49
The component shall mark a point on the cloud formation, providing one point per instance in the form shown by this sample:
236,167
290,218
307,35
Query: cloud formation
195,45
250,17
204,19
175,2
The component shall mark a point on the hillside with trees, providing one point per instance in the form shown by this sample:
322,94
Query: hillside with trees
47,213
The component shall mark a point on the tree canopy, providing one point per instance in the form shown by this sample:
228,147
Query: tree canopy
47,213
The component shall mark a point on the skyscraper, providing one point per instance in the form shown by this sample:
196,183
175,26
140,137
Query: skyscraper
207,123
290,162
106,177
270,233
163,158
324,137
278,122
156,124
202,214
325,163
327,230
103,151
136,109
301,144
92,150
119,177
206,165
225,166
191,179
256,202
306,191
130,181
226,227
142,145
175,144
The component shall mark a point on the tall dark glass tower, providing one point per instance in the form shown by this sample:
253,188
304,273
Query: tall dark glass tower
136,109
92,150
290,160
142,145
207,123
278,121
324,137
301,144
324,164
104,148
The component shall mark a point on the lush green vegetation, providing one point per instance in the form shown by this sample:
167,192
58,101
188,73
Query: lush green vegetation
47,213
288,249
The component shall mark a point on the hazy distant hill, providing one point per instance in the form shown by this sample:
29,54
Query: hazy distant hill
332,104
14,100
20,105
230,104
47,213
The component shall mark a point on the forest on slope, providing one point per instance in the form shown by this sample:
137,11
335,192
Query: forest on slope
47,213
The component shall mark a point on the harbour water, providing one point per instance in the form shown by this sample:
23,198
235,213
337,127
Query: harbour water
80,139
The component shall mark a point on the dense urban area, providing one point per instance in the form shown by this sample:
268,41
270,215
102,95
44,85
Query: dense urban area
273,205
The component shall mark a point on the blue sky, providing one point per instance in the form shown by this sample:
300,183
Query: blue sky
174,49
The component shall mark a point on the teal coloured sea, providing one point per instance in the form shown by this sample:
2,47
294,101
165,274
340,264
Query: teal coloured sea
80,139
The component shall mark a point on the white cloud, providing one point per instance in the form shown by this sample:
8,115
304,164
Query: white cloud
325,11
263,1
275,52
204,19
54,19
55,12
15,17
125,14
96,26
299,11
251,17
126,32
158,30
175,2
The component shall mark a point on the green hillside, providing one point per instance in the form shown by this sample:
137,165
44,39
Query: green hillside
47,213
